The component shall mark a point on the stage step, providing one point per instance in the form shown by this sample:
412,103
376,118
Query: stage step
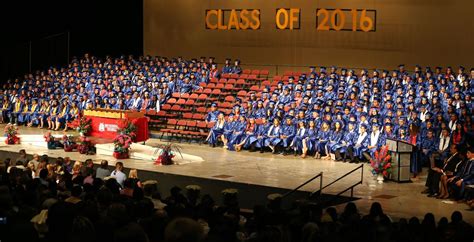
146,152
34,140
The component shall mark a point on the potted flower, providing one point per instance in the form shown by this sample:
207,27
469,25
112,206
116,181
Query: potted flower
129,129
83,125
381,165
11,131
68,143
121,146
167,153
49,138
85,145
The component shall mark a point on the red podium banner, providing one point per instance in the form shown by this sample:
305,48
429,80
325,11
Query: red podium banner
107,126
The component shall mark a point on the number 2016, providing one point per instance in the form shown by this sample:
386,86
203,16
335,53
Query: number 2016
335,20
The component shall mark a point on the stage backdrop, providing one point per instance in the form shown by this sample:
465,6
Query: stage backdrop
352,33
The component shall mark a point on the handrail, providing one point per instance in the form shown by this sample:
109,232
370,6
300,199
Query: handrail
308,181
338,179
348,173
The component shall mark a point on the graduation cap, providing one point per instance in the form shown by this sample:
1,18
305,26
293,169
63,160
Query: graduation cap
461,68
214,105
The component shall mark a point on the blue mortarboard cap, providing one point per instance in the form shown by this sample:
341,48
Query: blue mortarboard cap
214,105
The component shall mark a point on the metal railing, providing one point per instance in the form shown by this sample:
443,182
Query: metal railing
361,167
320,176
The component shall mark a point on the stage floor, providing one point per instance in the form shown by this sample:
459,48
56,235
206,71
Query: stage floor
397,199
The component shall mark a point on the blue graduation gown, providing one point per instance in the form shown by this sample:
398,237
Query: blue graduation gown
273,136
349,139
297,143
311,138
289,131
238,135
216,132
334,140
261,135
321,141
360,148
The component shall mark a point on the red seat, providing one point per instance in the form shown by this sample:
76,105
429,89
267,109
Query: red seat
181,101
171,101
194,96
244,76
166,107
201,110
185,95
231,81
176,108
187,115
247,71
242,93
229,99
198,116
207,91
264,72
211,86
176,95
189,102
235,76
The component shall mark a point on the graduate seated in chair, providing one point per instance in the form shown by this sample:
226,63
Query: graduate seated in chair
355,152
287,134
272,138
333,143
349,139
297,143
310,139
249,136
53,113
217,131
32,117
60,119
322,139
375,141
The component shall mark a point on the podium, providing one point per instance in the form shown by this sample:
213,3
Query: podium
400,151
106,122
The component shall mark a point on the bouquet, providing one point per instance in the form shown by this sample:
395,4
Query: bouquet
48,137
128,128
82,125
68,143
381,162
85,145
11,131
121,146
167,153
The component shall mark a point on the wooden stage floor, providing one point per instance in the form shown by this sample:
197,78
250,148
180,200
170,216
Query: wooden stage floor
397,199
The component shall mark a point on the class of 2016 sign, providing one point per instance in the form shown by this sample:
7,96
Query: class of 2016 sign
290,18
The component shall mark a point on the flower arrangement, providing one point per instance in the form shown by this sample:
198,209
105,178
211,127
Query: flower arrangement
167,153
85,145
11,131
68,143
121,146
128,128
82,125
380,163
49,138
